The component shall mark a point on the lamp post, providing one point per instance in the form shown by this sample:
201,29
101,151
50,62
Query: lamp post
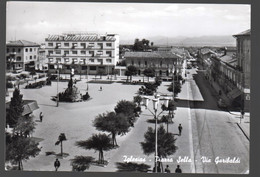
155,108
58,66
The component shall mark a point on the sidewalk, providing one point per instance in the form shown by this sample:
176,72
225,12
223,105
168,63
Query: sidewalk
243,124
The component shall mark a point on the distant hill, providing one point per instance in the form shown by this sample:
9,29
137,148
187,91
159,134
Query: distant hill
189,41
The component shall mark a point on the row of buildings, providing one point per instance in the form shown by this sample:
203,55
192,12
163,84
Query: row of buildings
230,68
87,54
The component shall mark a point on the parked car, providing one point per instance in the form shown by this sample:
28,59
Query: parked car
221,104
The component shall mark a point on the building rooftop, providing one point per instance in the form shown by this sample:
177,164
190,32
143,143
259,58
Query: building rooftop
22,43
155,54
81,37
206,50
229,58
244,33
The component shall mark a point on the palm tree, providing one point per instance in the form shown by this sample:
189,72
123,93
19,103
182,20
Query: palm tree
61,138
98,142
81,163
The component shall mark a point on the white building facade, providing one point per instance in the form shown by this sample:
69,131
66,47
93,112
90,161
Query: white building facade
86,53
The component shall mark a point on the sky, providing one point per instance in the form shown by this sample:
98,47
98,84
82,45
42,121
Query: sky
34,21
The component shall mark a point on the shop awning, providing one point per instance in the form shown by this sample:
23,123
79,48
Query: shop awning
234,93
28,105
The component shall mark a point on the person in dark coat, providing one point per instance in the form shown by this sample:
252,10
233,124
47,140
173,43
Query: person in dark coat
56,164
41,116
167,170
180,129
178,170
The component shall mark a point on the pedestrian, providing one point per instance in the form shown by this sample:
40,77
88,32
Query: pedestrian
41,116
100,88
180,129
178,170
167,170
56,164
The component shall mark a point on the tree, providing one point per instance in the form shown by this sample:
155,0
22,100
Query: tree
138,100
25,126
81,163
32,73
127,108
151,43
166,143
149,72
132,167
101,72
116,124
61,138
131,70
98,142
177,88
21,148
15,109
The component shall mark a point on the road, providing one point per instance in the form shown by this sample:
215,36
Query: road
215,133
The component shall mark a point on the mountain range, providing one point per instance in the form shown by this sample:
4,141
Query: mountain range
217,41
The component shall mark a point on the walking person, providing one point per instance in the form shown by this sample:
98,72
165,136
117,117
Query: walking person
180,129
41,116
178,170
167,170
56,164
100,88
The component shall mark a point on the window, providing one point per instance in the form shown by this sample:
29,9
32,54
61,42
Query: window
50,44
18,59
75,60
66,59
34,56
34,49
66,52
68,66
92,60
100,61
108,60
75,52
83,45
84,67
50,52
30,49
83,52
58,60
26,49
145,63
139,63
91,45
100,45
30,57
93,68
66,44
74,45
109,44
19,50
91,53
133,62
109,53
7,50
99,52
58,52
51,66
13,49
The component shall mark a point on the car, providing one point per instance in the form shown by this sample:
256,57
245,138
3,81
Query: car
221,104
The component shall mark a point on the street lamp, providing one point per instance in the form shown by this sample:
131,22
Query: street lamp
58,66
155,108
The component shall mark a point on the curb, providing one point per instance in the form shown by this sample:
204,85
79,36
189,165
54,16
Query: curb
243,131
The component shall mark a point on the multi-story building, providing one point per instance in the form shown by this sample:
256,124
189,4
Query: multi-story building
244,64
86,53
162,62
231,70
21,55
41,63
